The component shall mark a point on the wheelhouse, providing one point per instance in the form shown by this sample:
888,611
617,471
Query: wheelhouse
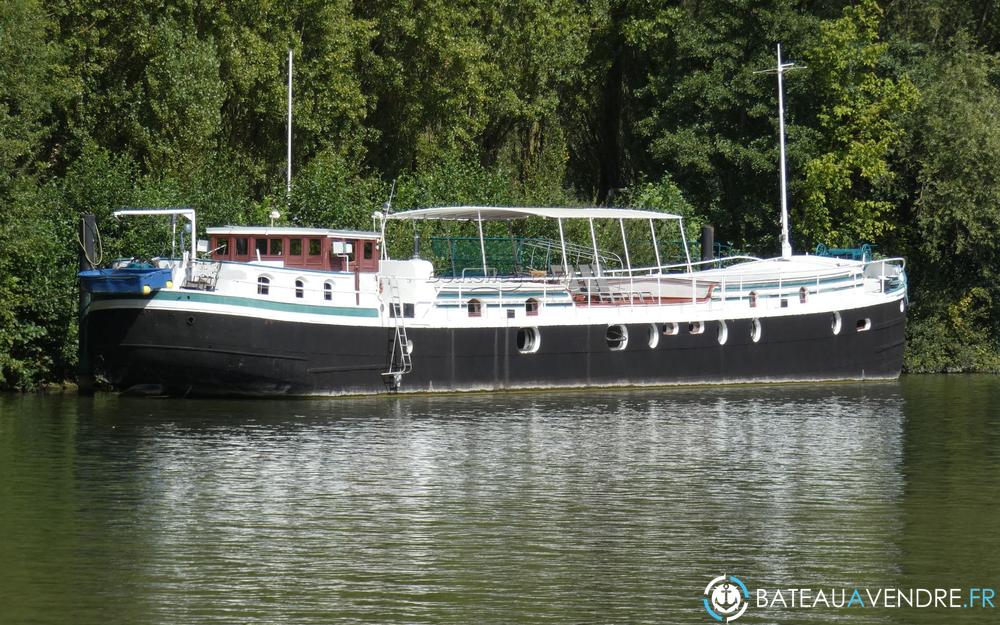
304,248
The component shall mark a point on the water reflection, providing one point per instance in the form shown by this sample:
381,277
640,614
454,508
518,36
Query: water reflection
561,508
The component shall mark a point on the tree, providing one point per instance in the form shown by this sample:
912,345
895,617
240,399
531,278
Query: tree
846,190
33,82
708,119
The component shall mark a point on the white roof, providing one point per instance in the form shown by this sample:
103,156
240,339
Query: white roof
799,264
493,213
293,232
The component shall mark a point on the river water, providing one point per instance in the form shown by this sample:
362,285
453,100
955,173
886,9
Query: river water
586,507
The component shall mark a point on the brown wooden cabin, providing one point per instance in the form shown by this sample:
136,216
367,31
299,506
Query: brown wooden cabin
306,248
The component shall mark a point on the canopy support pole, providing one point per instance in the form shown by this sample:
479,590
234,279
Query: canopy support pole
687,254
628,261
562,245
593,240
482,245
656,247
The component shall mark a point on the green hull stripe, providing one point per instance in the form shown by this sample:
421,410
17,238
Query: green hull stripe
247,302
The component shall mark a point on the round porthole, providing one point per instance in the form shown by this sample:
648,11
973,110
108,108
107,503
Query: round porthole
616,337
755,330
528,340
902,305
653,338
836,323
670,328
723,333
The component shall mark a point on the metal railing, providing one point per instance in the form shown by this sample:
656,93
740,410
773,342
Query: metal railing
718,290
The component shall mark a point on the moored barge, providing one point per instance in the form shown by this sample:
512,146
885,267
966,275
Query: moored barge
274,311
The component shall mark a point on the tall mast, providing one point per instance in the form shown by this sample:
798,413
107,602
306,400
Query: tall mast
780,69
288,187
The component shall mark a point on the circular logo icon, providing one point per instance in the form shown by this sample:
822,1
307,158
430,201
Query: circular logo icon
726,598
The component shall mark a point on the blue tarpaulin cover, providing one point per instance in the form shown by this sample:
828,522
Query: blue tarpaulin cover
124,280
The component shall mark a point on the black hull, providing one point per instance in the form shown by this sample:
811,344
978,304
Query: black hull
200,353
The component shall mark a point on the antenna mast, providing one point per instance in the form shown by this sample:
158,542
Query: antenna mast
786,244
288,187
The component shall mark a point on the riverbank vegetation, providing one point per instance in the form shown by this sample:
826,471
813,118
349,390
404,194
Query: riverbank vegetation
893,131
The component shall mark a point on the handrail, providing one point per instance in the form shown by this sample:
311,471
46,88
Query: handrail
586,291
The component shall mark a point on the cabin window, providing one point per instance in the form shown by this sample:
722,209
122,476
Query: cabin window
315,246
475,308
263,285
221,248
753,299
531,307
261,246
696,327
670,329
803,295
276,247
616,337
242,247
295,247
408,310
327,291
369,249
863,325
341,255
300,289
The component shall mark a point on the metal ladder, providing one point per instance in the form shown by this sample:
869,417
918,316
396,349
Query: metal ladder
399,346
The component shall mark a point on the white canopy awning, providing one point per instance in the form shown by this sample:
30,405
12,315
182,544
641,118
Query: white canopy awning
500,213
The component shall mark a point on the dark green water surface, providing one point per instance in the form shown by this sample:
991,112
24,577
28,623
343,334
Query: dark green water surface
589,507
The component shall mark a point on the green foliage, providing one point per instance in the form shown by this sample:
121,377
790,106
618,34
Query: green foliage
37,286
934,23
332,192
954,337
893,133
663,195
32,83
955,152
184,96
703,113
845,189
955,214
